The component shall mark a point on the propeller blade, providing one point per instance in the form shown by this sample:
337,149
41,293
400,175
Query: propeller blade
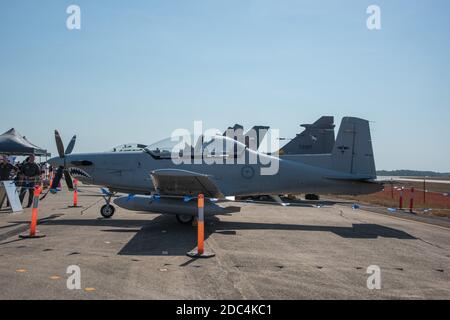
68,180
71,145
57,178
59,144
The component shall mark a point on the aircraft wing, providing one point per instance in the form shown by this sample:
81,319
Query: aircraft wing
177,182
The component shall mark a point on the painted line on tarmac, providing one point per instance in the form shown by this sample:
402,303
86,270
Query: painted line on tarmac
411,219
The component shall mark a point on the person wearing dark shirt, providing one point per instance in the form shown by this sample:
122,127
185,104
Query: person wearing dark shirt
5,169
30,173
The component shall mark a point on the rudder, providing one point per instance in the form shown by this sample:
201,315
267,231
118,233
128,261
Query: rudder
353,152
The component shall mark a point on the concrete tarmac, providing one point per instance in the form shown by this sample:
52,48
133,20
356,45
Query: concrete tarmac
264,252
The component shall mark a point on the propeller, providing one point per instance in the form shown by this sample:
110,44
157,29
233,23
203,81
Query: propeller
62,170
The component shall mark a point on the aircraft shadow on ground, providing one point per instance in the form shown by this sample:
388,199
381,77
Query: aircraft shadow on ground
298,203
164,236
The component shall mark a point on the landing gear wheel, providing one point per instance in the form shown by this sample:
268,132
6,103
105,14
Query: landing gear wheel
184,218
107,211
311,196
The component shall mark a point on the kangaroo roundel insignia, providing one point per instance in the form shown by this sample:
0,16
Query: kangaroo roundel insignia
247,172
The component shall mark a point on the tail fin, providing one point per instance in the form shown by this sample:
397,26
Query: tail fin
252,138
352,152
322,122
317,138
255,136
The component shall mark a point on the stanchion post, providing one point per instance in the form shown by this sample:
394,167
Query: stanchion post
200,251
424,191
201,224
75,193
392,190
400,200
34,216
411,201
50,178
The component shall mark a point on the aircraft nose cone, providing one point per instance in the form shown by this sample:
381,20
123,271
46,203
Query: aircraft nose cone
56,162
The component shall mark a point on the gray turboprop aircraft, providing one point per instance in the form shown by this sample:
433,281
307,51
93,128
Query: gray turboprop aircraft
165,177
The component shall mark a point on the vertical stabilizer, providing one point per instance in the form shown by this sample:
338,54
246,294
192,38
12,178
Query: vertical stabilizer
352,152
317,138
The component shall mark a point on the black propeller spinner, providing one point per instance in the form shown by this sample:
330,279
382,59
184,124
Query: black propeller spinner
63,169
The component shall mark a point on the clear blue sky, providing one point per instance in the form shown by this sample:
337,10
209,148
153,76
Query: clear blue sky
139,69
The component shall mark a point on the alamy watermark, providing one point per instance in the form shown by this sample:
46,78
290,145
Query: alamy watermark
74,280
212,147
374,280
373,22
73,21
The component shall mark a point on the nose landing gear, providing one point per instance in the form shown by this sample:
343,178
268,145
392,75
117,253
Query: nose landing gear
107,210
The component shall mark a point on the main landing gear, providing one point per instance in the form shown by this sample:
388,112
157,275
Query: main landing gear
311,196
185,218
107,210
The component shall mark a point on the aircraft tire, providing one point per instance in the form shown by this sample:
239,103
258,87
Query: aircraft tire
184,219
107,211
311,196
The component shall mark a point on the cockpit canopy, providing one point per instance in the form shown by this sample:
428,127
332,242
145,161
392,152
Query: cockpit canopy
189,146
129,147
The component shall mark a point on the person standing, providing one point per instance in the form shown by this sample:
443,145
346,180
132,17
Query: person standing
30,173
6,170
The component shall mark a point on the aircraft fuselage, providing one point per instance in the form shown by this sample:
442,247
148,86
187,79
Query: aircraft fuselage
129,172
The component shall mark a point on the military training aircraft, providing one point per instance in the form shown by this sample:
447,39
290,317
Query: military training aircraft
166,176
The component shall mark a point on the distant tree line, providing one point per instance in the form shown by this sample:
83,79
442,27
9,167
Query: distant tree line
412,173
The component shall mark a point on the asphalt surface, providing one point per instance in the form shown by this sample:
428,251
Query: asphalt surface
264,252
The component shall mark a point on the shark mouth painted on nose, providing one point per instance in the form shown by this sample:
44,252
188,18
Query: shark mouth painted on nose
77,172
